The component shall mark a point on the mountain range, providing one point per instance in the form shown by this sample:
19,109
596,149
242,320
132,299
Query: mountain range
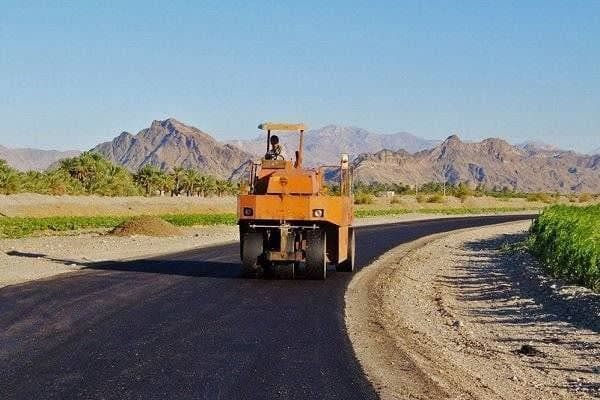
492,162
399,157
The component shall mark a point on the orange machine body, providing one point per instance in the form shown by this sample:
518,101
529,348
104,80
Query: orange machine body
288,194
282,202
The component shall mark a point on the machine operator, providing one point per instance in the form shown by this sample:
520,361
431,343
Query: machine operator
275,152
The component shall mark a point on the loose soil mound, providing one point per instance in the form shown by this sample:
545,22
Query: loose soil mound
147,226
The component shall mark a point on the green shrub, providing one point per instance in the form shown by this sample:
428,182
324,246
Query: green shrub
364,198
436,198
566,239
463,191
585,197
541,197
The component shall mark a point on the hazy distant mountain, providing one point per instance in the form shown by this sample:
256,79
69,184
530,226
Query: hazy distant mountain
492,162
535,146
324,145
170,143
33,159
597,151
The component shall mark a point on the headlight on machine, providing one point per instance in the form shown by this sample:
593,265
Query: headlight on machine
318,213
248,212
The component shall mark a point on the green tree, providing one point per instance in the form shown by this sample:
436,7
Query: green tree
178,175
59,182
224,187
89,169
206,185
148,178
10,181
190,181
166,183
117,181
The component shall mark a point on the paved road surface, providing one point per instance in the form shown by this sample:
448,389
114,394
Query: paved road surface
187,326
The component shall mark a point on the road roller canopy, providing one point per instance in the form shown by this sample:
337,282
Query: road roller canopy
274,126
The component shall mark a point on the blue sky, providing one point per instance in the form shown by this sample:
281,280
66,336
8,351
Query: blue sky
73,74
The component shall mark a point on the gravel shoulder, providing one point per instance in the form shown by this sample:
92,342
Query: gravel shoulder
457,315
26,259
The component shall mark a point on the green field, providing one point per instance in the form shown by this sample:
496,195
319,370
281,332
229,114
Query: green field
15,227
566,239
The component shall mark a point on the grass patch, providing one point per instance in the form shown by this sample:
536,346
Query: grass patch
566,239
15,227
362,213
201,219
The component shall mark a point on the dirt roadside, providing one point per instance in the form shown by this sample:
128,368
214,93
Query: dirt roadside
27,259
457,316
39,205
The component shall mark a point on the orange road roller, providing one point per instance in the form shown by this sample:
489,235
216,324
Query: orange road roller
290,221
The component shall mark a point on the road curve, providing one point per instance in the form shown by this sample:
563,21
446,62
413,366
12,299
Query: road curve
186,326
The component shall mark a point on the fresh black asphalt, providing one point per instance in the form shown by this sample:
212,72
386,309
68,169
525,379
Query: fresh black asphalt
186,326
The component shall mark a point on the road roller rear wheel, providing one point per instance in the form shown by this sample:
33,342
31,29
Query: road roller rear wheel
252,250
316,258
348,264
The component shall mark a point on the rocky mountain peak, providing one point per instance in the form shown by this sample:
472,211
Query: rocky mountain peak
124,135
171,143
452,139
172,125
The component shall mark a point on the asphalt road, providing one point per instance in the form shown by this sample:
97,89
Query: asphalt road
187,326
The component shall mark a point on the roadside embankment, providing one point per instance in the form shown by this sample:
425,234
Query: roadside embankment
465,315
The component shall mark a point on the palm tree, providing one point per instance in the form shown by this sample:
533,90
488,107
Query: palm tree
88,168
206,184
178,176
147,177
190,181
9,179
222,187
166,183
